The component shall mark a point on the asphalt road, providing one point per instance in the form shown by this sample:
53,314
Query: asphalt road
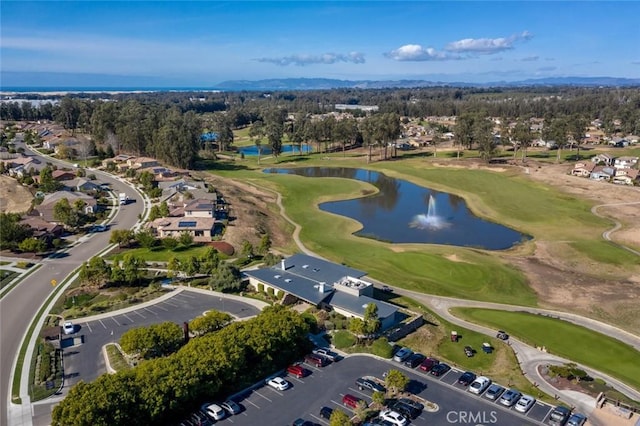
326,387
19,306
85,361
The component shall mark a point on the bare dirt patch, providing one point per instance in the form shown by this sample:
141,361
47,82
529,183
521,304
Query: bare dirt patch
14,198
254,214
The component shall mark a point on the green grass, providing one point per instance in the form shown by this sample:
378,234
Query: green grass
160,254
116,359
567,340
6,277
605,252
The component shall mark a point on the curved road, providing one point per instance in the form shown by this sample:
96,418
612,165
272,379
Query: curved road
19,306
607,234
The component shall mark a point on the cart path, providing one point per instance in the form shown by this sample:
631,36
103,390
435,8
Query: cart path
617,225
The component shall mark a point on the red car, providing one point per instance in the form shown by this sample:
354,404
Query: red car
428,364
351,401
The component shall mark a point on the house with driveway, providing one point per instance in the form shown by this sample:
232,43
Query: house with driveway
323,284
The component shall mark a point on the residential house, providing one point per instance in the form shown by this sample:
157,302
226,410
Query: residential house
323,284
583,168
45,209
602,173
200,207
62,175
201,228
630,177
625,162
606,159
141,162
82,185
41,228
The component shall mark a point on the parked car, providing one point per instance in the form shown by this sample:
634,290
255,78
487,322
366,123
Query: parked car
466,378
387,289
407,407
440,369
278,383
302,422
298,371
199,418
559,416
414,360
350,401
525,403
577,419
214,411
393,417
231,407
494,391
428,364
510,397
468,351
331,356
99,228
402,355
369,384
479,385
326,412
315,360
502,335
68,327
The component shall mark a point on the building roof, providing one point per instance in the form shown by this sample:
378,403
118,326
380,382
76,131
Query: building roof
319,270
183,224
301,287
357,304
200,204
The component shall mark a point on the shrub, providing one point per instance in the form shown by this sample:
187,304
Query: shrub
260,288
382,348
343,339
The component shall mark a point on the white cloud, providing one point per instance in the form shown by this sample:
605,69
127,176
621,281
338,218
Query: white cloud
530,58
415,52
325,58
487,46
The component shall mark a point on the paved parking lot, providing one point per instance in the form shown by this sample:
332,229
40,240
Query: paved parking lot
326,387
86,362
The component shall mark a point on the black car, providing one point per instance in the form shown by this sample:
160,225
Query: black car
414,360
408,407
559,416
440,369
326,412
369,384
466,378
502,335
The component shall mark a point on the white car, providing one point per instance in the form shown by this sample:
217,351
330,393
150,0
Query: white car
525,403
68,327
479,385
215,411
278,383
393,417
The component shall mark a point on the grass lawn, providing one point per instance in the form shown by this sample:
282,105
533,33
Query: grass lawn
160,254
6,277
433,339
605,252
567,340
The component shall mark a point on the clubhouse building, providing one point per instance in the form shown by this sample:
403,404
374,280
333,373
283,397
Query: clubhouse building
323,284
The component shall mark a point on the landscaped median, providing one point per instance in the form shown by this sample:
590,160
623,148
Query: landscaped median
558,337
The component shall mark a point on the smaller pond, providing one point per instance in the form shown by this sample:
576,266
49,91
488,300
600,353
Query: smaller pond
403,212
286,149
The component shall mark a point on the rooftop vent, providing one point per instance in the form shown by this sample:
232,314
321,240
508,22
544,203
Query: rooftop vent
287,280
277,276
305,266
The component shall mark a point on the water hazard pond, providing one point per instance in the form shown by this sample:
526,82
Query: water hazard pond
403,212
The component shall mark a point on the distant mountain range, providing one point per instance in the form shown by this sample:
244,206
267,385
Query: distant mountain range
325,83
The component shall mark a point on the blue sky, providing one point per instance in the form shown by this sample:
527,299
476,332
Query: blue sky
201,43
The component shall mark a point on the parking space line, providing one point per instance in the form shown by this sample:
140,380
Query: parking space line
127,317
188,296
138,313
154,313
160,307
295,378
323,421
89,327
246,400
261,395
169,303
358,391
100,321
114,320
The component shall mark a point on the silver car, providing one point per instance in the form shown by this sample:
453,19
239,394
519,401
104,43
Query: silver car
510,397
